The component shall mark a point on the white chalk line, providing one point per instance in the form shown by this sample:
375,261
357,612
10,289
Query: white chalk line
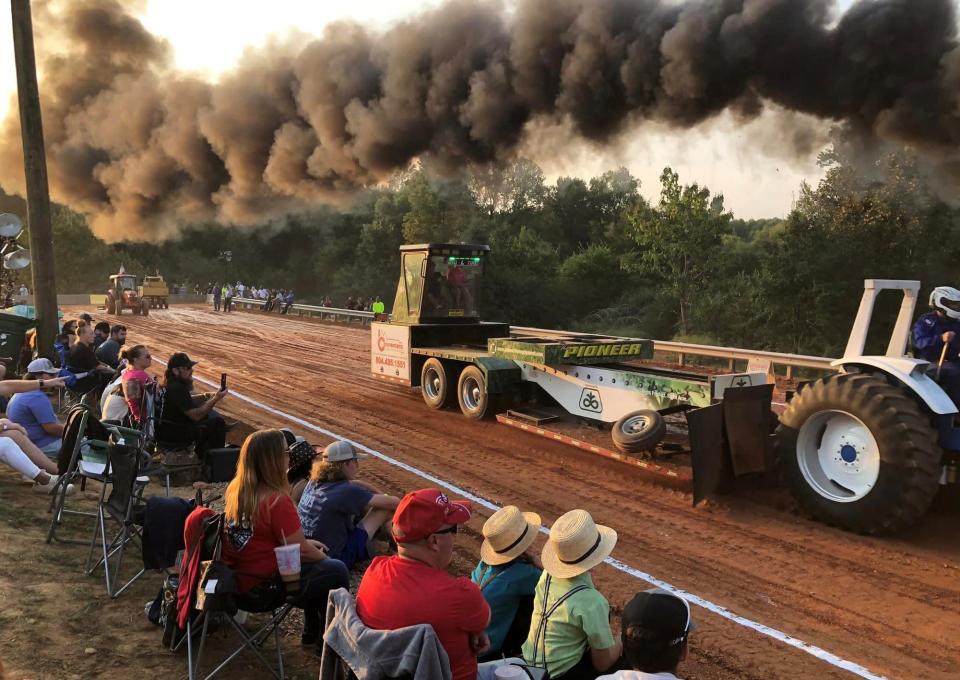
723,612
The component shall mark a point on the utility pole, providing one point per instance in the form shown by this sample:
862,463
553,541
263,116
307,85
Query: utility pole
35,170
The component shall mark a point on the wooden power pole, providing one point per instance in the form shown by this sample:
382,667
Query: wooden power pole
35,169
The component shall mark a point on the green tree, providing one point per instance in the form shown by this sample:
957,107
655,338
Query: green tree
679,242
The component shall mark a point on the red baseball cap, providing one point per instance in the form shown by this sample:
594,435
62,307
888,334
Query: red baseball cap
423,512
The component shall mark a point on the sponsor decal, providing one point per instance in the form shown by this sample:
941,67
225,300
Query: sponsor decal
608,350
383,342
590,400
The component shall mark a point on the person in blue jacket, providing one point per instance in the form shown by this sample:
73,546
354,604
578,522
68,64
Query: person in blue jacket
938,329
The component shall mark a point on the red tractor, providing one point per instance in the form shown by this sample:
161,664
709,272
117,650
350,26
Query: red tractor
123,295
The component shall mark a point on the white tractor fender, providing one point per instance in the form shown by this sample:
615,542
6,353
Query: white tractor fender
912,373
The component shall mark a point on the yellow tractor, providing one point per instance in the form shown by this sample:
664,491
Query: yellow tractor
153,292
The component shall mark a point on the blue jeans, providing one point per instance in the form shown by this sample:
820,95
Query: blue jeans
317,579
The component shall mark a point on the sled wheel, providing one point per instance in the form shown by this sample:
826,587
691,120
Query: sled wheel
638,431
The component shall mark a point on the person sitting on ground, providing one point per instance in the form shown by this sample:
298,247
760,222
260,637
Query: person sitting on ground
259,517
576,640
508,573
301,454
101,331
188,417
34,411
414,587
109,351
339,511
16,432
81,359
135,381
654,630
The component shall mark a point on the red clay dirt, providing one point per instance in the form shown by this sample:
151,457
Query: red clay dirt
889,604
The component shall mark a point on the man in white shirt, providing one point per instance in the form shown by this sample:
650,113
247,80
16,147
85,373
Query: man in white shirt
655,627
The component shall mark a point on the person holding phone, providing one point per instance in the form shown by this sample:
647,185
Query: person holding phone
187,416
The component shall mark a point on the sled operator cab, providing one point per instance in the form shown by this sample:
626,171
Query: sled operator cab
439,283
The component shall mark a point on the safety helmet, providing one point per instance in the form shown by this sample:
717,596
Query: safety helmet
947,300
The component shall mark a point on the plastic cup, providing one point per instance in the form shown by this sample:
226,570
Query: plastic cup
509,672
288,564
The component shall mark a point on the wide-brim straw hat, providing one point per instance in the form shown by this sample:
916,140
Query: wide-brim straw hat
507,534
576,545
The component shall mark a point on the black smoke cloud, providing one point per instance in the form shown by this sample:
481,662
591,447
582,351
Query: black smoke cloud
142,148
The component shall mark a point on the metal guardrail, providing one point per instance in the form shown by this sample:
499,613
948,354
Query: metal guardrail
334,313
683,350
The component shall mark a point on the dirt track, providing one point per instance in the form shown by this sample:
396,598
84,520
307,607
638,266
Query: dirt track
891,605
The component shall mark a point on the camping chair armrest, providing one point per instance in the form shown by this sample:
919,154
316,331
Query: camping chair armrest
124,432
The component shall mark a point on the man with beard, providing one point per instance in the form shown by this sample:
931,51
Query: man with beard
187,417
109,350
101,331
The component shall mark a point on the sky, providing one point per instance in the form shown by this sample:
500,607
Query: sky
744,163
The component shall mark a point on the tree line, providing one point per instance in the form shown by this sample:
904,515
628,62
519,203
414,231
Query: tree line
590,255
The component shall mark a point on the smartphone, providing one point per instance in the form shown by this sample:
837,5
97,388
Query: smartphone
223,381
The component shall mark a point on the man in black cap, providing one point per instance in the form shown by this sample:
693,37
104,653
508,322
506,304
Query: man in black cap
655,627
187,417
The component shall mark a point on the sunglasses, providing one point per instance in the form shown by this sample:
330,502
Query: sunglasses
452,529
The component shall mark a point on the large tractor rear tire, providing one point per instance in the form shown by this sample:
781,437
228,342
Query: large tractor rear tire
117,307
435,384
144,309
472,393
111,308
858,453
638,431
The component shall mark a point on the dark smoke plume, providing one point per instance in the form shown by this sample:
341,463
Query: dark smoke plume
143,149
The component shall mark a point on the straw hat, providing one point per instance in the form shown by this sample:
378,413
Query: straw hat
576,545
507,534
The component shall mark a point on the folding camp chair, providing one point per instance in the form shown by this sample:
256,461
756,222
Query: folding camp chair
208,605
121,472
82,435
278,611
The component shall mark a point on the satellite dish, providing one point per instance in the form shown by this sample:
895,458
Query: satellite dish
18,259
10,225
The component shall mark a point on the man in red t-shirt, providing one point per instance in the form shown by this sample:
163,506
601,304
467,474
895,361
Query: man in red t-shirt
414,587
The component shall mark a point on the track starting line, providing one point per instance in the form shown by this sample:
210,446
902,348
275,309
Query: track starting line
719,610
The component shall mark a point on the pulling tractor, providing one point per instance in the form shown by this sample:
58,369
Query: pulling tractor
123,295
435,340
868,448
865,449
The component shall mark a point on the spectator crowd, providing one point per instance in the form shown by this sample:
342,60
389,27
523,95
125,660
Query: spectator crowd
281,299
523,611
